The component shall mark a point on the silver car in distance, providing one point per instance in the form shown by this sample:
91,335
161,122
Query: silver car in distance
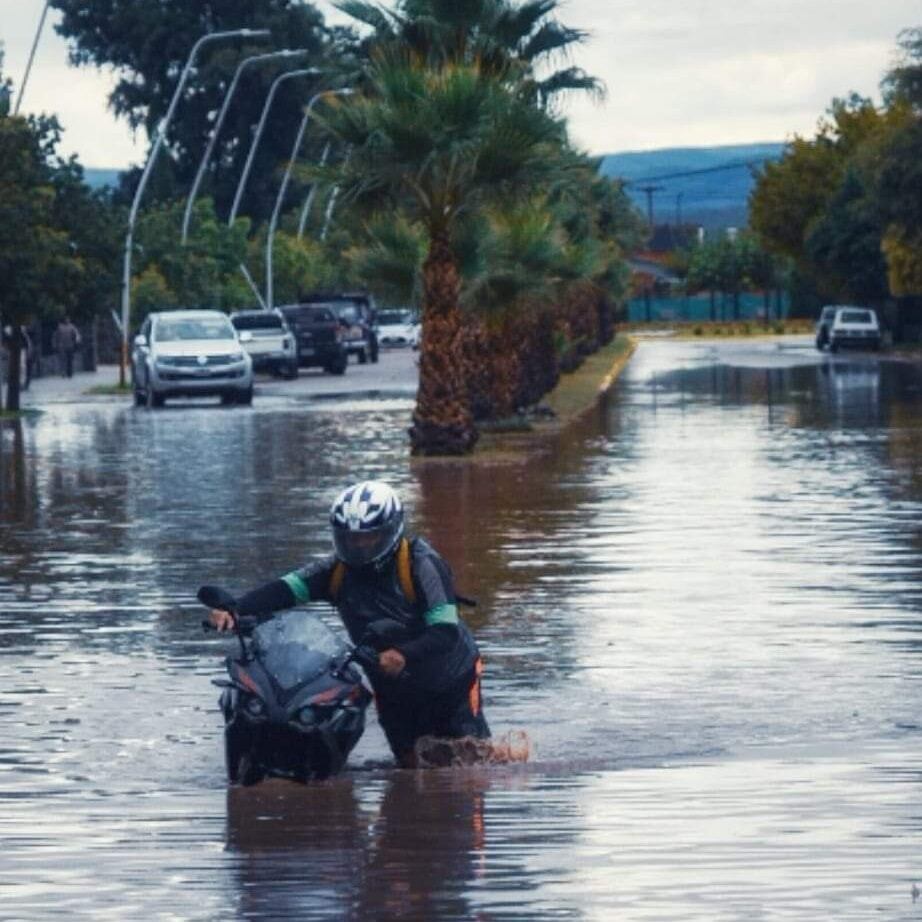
190,353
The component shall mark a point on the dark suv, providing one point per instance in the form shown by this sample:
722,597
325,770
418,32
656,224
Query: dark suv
358,318
319,336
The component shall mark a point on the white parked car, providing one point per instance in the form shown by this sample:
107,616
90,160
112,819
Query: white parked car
398,328
844,325
268,340
190,354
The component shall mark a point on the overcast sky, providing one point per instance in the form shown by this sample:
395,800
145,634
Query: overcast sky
679,73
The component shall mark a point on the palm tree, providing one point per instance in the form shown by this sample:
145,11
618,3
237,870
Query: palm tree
496,33
439,145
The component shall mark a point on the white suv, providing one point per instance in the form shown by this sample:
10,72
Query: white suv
844,325
190,354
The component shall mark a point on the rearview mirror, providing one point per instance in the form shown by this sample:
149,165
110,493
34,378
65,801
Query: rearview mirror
140,340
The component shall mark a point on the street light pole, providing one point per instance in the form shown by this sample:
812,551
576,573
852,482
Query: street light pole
309,201
258,134
280,198
219,122
331,204
25,76
145,176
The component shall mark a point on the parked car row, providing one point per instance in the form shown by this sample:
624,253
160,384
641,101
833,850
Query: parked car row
184,353
844,325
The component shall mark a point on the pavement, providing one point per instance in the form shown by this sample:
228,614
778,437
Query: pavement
395,375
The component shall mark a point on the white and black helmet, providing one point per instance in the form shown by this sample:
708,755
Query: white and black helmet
367,520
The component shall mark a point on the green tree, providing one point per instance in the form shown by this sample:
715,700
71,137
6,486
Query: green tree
899,173
203,273
36,264
817,206
904,81
845,240
147,45
389,259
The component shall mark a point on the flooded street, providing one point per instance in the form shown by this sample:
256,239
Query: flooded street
703,605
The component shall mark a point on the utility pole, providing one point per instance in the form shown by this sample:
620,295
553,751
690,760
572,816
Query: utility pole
649,190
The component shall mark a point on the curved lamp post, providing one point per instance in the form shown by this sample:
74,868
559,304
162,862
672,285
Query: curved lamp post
25,76
280,198
288,75
219,122
309,201
145,176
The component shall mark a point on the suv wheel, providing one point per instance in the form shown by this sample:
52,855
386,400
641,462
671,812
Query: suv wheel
363,355
337,366
374,349
245,398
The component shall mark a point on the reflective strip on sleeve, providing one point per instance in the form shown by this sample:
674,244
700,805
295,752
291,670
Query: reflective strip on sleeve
298,587
446,613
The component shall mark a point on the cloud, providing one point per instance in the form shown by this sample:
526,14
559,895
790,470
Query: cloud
705,72
678,72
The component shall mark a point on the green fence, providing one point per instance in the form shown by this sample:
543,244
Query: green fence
701,307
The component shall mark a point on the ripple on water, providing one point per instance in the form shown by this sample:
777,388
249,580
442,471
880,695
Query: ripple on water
702,606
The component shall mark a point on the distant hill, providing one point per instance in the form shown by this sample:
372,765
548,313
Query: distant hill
714,189
96,179
715,198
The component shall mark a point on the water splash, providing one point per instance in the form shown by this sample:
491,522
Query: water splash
437,752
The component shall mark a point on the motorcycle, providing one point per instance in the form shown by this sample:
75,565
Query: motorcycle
294,702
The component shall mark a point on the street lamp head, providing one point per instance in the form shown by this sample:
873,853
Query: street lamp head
253,33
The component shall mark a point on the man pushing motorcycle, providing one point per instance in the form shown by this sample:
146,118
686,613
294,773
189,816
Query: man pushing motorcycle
398,594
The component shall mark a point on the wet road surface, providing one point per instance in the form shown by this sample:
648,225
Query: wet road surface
704,605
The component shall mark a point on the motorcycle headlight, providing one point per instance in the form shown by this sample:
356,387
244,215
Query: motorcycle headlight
307,717
255,707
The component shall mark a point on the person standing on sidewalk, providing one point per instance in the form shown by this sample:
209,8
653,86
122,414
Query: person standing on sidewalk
66,339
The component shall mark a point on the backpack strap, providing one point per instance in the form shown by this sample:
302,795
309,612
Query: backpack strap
404,574
404,571
336,579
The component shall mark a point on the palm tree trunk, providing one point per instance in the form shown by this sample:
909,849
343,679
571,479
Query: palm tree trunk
442,422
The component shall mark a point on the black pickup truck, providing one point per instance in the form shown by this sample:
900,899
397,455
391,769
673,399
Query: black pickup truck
357,314
319,336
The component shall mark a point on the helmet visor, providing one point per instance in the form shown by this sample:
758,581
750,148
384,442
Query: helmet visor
366,546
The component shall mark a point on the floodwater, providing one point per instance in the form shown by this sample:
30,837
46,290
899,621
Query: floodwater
704,606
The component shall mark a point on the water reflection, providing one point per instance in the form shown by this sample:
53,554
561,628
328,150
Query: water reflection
702,604
413,845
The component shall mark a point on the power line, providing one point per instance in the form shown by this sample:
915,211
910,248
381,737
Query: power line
710,169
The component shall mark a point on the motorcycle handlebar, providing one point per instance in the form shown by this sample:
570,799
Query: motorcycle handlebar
245,624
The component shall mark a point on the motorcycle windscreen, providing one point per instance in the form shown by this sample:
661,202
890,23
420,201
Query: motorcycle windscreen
296,647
